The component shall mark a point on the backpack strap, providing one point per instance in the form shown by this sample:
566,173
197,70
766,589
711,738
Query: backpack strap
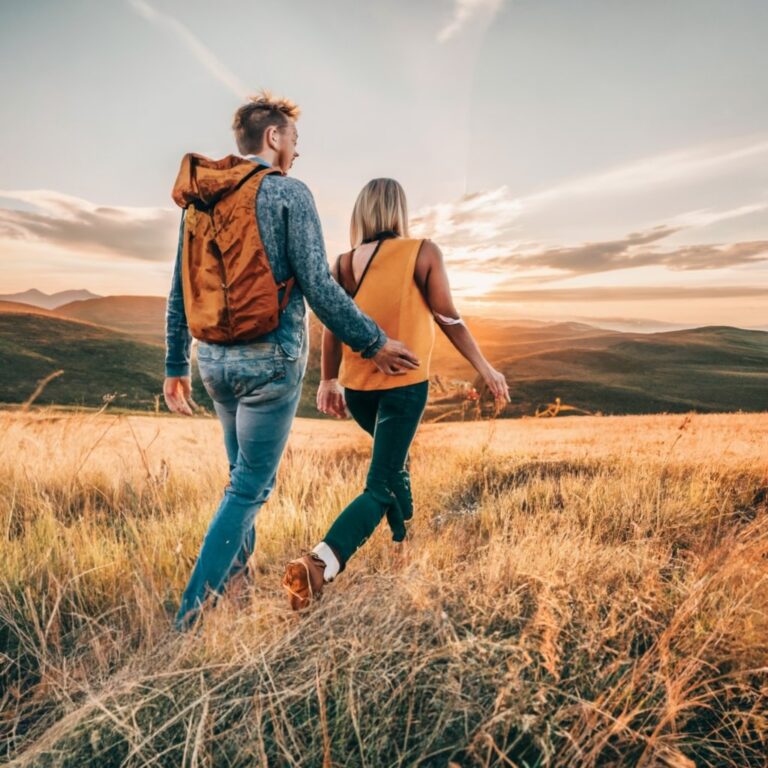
286,285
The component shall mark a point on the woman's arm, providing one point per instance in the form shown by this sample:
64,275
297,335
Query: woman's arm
330,360
330,396
432,279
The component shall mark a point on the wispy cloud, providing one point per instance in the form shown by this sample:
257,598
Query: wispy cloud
637,249
480,217
705,216
463,12
499,210
653,171
199,50
487,229
78,225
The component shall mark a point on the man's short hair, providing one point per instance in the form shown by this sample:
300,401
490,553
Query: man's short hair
262,111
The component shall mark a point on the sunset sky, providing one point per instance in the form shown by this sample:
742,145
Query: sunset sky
594,159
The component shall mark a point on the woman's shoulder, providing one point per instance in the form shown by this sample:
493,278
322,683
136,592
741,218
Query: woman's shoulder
429,250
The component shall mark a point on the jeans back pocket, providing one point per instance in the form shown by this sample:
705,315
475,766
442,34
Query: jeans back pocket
251,372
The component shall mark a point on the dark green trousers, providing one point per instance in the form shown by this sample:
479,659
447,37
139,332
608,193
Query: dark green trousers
391,416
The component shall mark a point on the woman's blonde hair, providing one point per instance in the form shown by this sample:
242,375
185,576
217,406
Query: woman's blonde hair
380,206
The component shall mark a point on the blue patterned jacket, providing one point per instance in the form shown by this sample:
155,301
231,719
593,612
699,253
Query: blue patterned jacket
293,239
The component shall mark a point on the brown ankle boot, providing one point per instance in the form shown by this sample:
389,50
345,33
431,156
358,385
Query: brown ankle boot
303,580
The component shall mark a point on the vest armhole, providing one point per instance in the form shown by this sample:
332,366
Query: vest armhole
346,279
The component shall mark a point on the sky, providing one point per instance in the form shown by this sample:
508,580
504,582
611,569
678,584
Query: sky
594,159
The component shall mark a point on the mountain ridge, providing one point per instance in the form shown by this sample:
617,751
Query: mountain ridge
37,298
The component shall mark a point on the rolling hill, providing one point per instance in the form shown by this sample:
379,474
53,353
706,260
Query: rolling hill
17,307
140,316
702,369
115,343
96,361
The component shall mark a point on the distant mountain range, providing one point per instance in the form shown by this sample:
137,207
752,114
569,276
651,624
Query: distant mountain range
115,344
48,301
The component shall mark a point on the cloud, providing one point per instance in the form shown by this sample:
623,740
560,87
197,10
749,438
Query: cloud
463,12
199,50
705,217
487,228
480,217
637,249
483,230
653,171
496,211
621,293
147,234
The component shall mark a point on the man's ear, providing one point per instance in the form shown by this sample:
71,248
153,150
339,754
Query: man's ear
271,137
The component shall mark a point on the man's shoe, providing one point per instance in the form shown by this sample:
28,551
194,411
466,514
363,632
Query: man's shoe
303,580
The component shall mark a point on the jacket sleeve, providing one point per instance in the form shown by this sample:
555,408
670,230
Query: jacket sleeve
309,265
177,335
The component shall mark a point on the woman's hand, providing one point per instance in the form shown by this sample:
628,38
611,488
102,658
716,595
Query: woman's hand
497,384
330,399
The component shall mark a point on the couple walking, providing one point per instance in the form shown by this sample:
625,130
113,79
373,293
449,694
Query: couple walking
250,252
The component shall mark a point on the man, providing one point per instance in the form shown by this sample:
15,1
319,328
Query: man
256,385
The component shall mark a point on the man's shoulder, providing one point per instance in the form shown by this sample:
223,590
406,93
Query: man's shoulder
287,187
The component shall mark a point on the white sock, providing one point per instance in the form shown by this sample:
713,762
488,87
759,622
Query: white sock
332,564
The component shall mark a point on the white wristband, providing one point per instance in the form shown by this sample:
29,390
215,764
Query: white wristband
443,320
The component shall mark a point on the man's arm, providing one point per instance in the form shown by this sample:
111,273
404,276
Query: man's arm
177,387
177,336
309,264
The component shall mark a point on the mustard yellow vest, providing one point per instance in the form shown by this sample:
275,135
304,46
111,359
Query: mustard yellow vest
388,293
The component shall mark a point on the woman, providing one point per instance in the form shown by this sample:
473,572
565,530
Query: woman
402,284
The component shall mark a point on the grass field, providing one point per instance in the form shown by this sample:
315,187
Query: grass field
574,592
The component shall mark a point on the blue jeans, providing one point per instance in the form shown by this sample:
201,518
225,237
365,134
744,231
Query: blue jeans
255,389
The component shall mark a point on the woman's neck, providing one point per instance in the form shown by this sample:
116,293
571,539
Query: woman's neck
383,235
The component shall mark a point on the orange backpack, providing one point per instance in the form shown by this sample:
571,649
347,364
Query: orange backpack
230,293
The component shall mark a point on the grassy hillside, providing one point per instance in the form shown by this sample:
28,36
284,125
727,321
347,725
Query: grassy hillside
141,316
704,369
96,362
18,307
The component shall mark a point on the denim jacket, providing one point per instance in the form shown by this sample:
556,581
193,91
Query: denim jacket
293,240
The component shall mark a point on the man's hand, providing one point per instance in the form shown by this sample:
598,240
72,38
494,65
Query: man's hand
330,399
177,391
395,359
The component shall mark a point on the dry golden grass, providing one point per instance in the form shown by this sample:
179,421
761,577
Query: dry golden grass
575,592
